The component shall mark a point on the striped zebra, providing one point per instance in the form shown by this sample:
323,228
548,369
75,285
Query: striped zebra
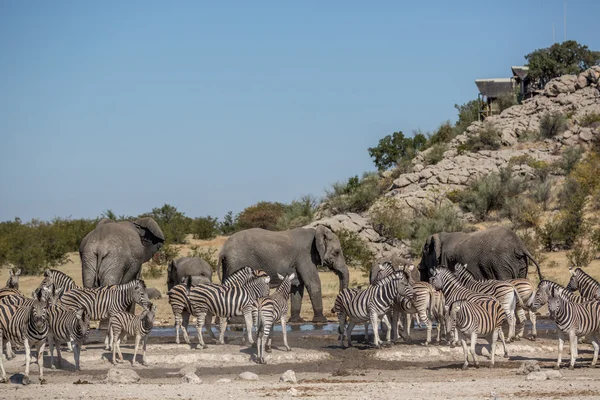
25,325
480,317
587,286
123,323
58,279
445,281
574,320
371,304
67,326
13,279
526,290
99,302
267,311
228,300
543,291
503,291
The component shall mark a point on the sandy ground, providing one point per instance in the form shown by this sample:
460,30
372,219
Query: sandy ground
323,370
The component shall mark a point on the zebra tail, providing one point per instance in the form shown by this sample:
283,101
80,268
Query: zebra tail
520,302
432,304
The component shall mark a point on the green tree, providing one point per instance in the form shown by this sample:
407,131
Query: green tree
204,228
174,224
228,225
264,214
395,147
559,59
467,114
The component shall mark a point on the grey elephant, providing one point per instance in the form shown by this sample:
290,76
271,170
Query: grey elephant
113,253
178,270
301,250
493,253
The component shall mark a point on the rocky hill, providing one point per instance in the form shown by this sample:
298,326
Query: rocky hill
427,185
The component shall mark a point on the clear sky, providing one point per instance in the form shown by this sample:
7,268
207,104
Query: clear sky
213,106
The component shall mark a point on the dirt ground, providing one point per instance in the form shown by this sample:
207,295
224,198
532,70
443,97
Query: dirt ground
323,369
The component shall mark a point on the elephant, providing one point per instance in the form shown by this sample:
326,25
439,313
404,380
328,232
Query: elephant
493,253
113,253
178,270
299,250
154,293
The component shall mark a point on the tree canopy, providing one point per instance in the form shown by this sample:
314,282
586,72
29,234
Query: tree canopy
394,147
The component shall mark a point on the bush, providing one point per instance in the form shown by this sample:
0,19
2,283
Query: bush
153,271
589,119
529,136
165,255
210,255
541,192
395,147
174,224
389,221
522,212
552,124
533,244
228,226
444,134
506,100
298,213
263,215
487,138
204,228
355,250
569,158
581,255
467,114
436,154
433,220
353,196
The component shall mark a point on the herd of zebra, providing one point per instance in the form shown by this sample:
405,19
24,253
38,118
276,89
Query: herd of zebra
59,312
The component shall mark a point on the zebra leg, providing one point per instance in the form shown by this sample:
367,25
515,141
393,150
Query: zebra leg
114,345
408,318
522,318
177,327
260,345
118,344
77,353
135,349
388,333
51,347
493,341
199,324
209,319
40,359
59,355
144,360
3,379
69,346
422,315
349,329
222,328
473,343
9,353
367,332
561,341
248,319
501,334
27,361
463,341
532,318
284,331
573,345
375,322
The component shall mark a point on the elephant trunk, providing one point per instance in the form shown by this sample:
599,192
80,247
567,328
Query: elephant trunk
344,275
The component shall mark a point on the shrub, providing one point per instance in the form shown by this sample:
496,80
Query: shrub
152,271
174,224
541,168
433,220
207,254
587,172
454,195
467,114
395,147
506,100
487,138
228,226
389,221
589,119
552,124
436,154
204,228
569,158
354,197
541,192
529,136
264,214
298,213
581,255
166,254
522,212
533,244
444,134
355,250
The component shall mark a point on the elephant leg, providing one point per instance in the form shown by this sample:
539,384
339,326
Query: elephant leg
296,299
309,276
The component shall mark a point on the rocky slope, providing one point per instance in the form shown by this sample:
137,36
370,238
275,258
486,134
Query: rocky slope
575,96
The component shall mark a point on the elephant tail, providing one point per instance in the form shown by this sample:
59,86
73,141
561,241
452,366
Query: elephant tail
530,257
221,267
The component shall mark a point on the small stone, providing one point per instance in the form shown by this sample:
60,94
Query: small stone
224,380
192,378
537,376
122,375
288,376
187,370
248,376
527,367
552,374
293,392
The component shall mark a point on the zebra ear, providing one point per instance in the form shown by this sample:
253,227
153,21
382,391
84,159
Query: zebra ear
79,313
18,272
281,277
410,268
292,276
267,279
47,272
571,269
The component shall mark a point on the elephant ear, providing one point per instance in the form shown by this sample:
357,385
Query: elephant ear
148,228
321,238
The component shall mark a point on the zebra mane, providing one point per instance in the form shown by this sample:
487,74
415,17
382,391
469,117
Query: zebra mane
390,278
243,275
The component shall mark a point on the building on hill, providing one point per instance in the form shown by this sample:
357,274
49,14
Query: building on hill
491,90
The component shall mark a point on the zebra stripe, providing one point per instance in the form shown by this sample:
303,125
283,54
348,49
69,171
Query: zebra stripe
574,320
58,279
482,317
267,311
526,290
371,304
66,326
225,301
542,294
588,287
27,326
503,291
123,323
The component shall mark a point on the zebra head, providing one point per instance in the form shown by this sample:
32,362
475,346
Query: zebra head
462,273
573,284
147,316
451,312
139,294
82,322
39,310
555,303
13,279
286,282
541,295
439,277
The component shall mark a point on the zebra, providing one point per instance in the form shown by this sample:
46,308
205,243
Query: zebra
543,291
480,317
228,300
13,279
99,302
503,291
445,281
267,311
525,289
59,280
371,304
25,325
67,325
574,320
588,287
181,307
123,323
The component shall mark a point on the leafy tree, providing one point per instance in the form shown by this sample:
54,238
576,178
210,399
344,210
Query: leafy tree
228,225
298,213
204,228
467,114
559,59
174,224
392,148
264,214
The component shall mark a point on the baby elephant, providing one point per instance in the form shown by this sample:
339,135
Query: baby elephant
123,323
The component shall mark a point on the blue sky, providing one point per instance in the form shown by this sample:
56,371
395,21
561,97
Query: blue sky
213,106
